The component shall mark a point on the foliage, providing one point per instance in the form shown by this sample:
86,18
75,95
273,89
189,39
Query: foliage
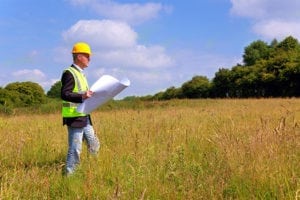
221,83
256,51
268,71
54,91
7,101
20,94
198,87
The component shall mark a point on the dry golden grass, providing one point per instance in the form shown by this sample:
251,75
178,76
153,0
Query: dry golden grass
180,149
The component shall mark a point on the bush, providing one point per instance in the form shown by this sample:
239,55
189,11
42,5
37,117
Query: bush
24,94
54,91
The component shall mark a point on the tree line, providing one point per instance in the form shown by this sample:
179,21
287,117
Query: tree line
268,70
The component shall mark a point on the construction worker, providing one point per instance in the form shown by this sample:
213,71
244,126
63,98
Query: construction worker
75,90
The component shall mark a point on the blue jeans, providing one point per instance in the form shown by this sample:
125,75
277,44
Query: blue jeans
75,138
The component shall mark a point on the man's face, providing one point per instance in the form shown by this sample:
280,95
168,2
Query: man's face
83,60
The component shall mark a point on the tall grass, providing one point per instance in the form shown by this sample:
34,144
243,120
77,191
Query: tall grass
180,149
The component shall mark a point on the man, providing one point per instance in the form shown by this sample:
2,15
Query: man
75,90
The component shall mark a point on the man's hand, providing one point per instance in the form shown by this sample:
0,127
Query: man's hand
87,94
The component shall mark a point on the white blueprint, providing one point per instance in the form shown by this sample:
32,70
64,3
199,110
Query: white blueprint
105,88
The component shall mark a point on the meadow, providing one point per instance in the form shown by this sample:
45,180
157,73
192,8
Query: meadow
178,149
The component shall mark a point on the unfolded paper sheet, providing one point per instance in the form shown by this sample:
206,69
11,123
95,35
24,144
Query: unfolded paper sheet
105,88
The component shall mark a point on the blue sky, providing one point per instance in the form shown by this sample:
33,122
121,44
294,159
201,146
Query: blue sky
156,44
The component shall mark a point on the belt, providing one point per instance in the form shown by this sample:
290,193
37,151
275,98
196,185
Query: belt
70,104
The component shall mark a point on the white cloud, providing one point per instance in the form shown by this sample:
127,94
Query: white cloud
271,18
152,78
248,8
114,43
46,84
138,56
33,75
278,29
266,9
99,72
132,13
30,75
102,33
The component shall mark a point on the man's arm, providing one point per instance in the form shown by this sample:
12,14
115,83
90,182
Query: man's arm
68,83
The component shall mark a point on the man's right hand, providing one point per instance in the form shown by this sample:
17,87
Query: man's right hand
87,94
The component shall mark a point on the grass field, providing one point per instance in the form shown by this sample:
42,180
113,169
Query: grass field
179,149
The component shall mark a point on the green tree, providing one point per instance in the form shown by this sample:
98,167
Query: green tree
158,96
54,91
256,51
198,87
221,83
28,93
274,43
289,78
172,93
280,74
288,44
7,101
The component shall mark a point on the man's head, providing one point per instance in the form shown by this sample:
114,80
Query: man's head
81,54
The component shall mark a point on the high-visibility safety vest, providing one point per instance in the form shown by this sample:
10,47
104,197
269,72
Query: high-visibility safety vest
69,109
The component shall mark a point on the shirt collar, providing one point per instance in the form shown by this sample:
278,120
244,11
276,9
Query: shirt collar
77,67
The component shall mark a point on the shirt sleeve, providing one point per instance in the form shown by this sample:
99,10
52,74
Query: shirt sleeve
68,83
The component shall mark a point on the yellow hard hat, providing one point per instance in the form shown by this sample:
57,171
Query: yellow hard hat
81,47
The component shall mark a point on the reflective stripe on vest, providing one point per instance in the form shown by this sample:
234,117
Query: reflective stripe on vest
69,109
